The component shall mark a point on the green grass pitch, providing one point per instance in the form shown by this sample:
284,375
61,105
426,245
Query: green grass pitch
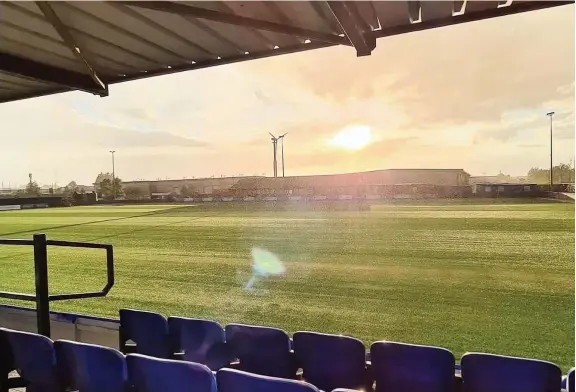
493,278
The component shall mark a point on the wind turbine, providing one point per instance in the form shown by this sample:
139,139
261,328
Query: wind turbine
282,137
275,148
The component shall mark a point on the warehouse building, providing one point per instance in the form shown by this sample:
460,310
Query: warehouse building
378,182
193,186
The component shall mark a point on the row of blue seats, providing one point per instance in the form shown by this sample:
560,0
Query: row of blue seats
330,361
63,365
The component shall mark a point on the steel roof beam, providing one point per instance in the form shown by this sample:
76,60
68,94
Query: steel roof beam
470,17
184,67
216,16
49,74
352,24
70,42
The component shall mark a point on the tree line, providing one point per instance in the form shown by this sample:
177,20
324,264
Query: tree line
106,188
561,174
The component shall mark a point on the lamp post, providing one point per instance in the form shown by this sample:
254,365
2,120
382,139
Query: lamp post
551,115
113,177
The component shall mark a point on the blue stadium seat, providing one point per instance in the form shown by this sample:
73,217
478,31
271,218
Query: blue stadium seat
232,380
331,361
6,360
399,367
345,390
261,350
91,368
498,373
35,360
149,374
570,381
148,330
201,341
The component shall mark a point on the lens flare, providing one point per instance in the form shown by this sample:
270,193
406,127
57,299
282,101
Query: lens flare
264,264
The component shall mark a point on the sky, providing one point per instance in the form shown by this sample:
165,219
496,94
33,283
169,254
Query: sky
472,96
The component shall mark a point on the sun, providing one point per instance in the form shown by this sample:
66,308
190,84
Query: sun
353,137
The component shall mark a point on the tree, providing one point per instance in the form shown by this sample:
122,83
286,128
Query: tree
108,189
33,188
565,173
72,186
68,193
101,177
562,174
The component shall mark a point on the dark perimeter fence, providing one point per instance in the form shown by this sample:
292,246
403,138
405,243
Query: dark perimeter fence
42,298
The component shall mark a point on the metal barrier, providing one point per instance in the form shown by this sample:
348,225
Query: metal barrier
42,297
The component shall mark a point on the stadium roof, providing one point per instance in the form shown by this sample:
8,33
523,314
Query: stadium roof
53,47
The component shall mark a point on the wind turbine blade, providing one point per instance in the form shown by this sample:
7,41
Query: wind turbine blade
272,135
284,134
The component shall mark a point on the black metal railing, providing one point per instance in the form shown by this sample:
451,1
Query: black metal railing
42,298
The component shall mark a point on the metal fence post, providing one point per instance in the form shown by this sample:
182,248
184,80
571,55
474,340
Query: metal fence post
41,275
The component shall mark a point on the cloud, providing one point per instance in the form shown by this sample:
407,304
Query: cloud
472,96
457,74
120,138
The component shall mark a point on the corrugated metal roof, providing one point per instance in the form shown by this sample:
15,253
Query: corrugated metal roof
52,47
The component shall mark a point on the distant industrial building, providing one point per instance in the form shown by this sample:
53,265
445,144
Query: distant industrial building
200,186
505,190
356,184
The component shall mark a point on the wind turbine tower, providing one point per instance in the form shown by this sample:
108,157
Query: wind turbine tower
275,149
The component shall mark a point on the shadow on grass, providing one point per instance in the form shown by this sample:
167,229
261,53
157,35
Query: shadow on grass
158,212
117,234
155,226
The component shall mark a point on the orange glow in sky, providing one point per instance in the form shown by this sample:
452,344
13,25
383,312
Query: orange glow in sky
418,101
353,137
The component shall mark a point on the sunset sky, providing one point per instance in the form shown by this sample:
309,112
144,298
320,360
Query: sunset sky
472,96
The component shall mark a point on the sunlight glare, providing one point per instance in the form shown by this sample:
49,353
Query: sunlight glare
353,137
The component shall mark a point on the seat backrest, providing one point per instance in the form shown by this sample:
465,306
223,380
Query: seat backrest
149,374
148,330
261,350
331,361
498,373
91,368
231,380
399,367
570,381
6,357
201,341
35,360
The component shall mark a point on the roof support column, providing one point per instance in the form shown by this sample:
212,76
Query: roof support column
353,26
100,88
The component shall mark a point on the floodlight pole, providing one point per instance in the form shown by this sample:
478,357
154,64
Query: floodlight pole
113,177
551,115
